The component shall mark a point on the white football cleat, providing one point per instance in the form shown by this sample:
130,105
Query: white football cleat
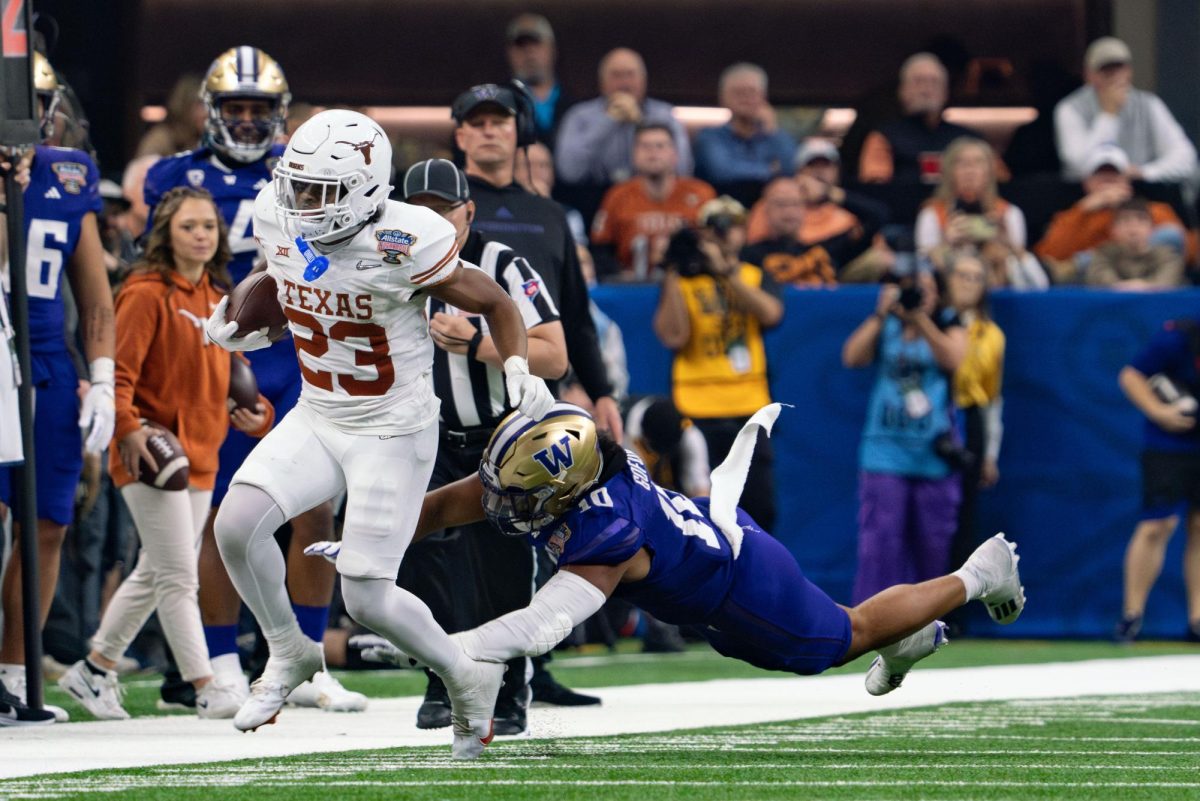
269,691
220,701
888,670
473,692
995,565
323,691
98,694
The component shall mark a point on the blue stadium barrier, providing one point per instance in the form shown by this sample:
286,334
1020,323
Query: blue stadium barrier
1069,479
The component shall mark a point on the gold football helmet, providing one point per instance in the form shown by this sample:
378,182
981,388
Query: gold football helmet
534,472
48,90
248,74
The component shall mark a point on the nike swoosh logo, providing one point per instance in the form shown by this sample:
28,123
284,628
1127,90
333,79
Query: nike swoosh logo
388,436
9,712
202,704
369,265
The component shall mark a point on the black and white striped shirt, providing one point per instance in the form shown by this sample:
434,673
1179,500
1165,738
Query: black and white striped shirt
472,393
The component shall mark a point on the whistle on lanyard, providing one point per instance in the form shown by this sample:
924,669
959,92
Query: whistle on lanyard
317,265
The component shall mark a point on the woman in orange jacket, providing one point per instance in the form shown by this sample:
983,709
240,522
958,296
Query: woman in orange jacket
168,373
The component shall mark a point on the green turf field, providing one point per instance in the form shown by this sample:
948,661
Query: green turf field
1121,748
697,664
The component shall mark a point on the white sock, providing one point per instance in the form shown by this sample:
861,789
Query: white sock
970,581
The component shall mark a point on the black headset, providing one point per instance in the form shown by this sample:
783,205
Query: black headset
526,123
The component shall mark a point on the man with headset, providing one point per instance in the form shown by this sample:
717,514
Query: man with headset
492,121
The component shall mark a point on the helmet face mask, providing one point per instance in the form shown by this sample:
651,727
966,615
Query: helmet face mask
533,473
333,177
249,77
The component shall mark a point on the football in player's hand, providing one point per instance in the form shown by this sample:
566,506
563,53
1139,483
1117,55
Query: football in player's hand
172,472
254,304
243,386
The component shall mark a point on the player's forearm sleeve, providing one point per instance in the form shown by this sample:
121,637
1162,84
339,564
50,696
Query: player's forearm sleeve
566,601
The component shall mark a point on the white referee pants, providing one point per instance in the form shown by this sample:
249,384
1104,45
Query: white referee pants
169,525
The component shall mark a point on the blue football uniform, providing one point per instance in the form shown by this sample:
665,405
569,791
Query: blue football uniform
757,607
234,190
64,187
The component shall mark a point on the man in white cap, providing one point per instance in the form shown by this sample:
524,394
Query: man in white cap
1109,110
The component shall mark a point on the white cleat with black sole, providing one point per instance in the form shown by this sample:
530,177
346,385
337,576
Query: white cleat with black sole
994,564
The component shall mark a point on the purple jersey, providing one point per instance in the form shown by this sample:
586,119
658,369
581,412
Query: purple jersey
64,186
233,188
693,565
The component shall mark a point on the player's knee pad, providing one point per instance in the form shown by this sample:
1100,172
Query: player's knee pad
365,598
246,514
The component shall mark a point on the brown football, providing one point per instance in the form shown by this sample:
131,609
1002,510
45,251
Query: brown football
243,386
172,471
254,304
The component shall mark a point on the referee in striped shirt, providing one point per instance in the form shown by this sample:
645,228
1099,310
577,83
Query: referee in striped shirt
471,575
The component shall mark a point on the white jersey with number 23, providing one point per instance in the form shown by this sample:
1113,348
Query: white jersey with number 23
360,329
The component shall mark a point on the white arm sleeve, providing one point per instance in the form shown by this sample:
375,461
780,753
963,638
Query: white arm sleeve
993,426
562,604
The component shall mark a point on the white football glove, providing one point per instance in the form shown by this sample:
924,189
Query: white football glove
225,333
379,649
98,412
527,393
325,548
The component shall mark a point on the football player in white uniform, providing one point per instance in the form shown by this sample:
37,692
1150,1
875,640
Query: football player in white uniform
353,270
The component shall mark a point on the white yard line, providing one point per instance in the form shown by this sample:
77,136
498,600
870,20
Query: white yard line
632,709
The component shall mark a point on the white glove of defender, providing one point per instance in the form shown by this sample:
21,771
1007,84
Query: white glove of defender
325,548
379,649
224,333
98,413
528,394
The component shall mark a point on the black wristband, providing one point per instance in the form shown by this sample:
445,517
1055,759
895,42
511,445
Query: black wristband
473,346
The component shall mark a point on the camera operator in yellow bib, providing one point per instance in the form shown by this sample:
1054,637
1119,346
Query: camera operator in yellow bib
711,313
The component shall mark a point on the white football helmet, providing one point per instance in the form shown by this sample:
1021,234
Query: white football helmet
333,176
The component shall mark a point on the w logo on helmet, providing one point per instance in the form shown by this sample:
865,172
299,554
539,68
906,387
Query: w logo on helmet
557,458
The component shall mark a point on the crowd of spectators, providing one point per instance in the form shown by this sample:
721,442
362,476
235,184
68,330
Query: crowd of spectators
635,198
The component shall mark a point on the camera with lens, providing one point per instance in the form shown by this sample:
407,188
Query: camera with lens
952,453
684,255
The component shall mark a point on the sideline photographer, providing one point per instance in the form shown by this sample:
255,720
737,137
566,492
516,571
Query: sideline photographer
909,490
711,312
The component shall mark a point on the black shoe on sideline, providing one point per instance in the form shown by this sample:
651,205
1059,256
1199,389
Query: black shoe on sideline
435,709
547,691
510,715
1127,629
175,693
15,713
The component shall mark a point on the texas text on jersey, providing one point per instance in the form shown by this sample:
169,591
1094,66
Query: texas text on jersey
360,328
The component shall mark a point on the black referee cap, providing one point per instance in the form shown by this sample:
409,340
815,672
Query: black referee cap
436,177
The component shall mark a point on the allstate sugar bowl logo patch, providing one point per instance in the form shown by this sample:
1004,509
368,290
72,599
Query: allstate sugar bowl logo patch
71,174
394,243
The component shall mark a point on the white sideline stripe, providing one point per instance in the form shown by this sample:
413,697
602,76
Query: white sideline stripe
388,723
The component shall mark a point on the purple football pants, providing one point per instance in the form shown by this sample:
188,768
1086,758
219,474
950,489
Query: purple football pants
905,527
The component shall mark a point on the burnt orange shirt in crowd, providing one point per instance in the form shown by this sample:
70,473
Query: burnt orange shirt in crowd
636,224
1076,230
168,372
